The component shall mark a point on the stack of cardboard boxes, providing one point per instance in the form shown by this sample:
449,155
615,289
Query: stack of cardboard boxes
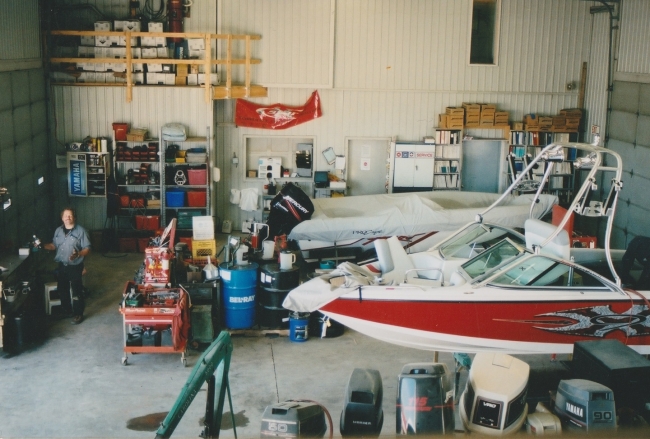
472,115
567,121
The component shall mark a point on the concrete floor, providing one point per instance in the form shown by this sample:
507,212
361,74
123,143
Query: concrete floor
73,383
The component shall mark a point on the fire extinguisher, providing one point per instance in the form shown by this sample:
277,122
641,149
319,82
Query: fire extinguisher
175,18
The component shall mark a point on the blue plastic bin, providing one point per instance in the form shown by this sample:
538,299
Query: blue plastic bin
175,198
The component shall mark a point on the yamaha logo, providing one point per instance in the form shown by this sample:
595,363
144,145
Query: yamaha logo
575,410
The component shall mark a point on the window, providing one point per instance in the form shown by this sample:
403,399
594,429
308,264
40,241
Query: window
484,39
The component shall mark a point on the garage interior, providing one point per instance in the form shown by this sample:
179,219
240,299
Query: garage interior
387,75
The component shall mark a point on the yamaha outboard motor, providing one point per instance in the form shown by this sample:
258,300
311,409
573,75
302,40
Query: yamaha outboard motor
362,414
290,207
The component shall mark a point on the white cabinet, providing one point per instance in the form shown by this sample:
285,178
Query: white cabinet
413,166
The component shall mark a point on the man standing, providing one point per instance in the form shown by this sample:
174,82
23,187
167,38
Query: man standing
72,244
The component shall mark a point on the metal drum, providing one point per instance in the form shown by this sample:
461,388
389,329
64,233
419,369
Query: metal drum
274,285
239,286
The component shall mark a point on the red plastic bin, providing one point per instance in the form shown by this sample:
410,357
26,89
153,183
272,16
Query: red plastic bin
120,130
196,198
197,177
147,222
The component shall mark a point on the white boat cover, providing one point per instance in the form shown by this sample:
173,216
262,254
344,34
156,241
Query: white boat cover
408,214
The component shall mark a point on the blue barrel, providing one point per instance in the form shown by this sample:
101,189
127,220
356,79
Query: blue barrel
239,285
299,326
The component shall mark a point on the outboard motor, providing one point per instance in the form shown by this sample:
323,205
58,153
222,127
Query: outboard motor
425,399
293,419
362,414
290,207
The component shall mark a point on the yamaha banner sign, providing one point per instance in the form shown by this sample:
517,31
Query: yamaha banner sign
77,174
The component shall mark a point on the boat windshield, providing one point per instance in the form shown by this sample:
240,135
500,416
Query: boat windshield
475,239
541,271
491,258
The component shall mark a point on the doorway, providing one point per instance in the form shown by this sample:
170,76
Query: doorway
367,165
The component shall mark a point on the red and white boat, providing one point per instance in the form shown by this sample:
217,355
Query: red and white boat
523,294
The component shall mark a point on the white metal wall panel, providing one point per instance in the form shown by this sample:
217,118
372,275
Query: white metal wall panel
90,111
423,45
596,87
296,39
634,56
19,29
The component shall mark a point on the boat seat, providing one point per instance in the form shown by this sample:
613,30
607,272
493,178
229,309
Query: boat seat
537,232
393,260
456,279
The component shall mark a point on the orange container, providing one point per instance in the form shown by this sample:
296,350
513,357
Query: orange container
120,130
196,198
197,176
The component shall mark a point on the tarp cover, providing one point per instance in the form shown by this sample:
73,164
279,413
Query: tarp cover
407,214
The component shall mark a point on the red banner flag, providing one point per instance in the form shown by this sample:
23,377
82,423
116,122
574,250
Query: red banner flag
276,116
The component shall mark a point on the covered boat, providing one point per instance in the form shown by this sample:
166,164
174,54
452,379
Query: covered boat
418,219
485,289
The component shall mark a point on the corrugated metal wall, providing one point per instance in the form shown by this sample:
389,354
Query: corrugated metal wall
24,155
634,56
399,64
297,39
630,137
20,31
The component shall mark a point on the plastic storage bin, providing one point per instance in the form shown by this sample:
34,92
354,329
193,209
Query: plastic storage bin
197,177
175,198
196,198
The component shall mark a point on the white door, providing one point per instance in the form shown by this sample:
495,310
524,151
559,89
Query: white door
366,165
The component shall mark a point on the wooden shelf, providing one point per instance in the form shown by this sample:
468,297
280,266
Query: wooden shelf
228,90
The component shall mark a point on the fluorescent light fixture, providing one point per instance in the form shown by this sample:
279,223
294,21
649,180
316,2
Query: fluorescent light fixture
41,180
6,204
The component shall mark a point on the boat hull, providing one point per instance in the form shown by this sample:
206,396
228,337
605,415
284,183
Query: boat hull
516,327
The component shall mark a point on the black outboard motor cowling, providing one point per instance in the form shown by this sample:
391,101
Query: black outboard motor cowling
290,207
362,413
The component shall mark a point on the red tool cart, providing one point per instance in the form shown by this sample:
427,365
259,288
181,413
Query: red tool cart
156,320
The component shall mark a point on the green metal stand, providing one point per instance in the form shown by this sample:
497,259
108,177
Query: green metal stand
212,367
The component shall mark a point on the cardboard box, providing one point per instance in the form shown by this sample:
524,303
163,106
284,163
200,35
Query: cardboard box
168,78
559,121
571,112
138,78
193,79
156,26
194,69
103,26
202,228
442,120
138,68
161,52
196,44
180,80
103,41
118,25
136,134
196,54
251,173
455,111
149,53
545,122
132,25
87,40
154,68
471,107
456,124
121,41
572,123
487,119
517,126
531,120
214,78
182,70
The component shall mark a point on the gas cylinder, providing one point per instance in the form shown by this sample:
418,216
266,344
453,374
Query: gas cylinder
175,18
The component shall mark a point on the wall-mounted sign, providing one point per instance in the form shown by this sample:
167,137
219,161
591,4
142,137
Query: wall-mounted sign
77,175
